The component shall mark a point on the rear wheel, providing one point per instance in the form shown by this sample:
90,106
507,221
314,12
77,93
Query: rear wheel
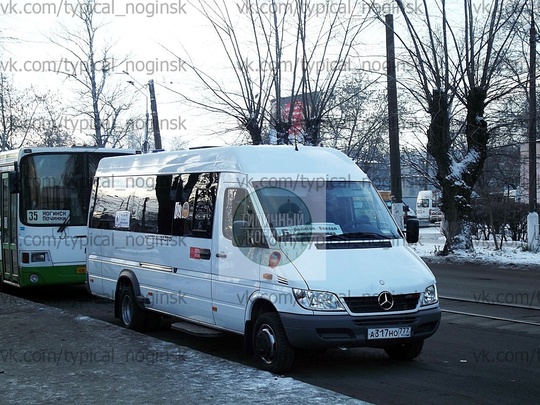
405,351
273,351
131,315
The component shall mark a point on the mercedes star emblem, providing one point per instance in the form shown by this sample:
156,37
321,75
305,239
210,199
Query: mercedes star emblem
386,301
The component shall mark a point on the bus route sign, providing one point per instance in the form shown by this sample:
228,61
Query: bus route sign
46,217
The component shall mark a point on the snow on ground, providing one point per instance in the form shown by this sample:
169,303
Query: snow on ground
512,253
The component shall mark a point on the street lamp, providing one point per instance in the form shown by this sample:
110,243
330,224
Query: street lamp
145,147
145,144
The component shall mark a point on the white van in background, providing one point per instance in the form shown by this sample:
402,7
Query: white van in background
428,205
292,249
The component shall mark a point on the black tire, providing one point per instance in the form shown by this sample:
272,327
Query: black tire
405,351
131,315
271,348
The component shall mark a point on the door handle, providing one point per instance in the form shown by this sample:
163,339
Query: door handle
221,255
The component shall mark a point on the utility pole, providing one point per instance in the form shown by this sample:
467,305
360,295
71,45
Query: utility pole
3,118
155,121
145,143
395,161
532,218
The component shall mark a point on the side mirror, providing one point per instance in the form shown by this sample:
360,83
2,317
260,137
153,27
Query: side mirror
412,230
13,182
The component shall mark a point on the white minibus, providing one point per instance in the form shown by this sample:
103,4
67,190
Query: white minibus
290,248
428,205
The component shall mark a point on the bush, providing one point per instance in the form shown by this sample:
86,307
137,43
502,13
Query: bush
500,218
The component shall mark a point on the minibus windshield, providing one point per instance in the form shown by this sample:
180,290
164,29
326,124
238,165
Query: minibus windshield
338,210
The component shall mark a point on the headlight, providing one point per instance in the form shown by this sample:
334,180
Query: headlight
430,295
317,300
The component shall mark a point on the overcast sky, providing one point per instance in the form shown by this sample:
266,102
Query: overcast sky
140,30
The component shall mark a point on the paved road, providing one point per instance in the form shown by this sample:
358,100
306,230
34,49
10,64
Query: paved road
468,361
489,283
53,356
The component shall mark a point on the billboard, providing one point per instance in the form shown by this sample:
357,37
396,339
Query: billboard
296,125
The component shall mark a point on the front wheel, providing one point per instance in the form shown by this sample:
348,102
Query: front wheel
273,351
405,351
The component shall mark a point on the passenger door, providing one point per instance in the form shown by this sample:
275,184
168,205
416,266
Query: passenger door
10,266
193,199
235,274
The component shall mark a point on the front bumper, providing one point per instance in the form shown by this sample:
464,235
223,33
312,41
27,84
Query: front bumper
327,331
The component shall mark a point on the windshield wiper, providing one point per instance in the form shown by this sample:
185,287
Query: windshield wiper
336,237
360,235
64,224
293,236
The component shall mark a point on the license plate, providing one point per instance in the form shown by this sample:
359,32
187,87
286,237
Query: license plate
80,270
389,333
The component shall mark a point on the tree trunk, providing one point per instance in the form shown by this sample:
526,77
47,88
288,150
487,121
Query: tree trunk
254,130
438,146
458,179
282,132
313,131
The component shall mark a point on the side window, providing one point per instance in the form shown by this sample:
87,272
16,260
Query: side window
103,205
236,206
127,204
181,205
142,205
240,222
194,197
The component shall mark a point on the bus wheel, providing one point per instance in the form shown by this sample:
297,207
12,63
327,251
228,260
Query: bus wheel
273,351
131,316
405,351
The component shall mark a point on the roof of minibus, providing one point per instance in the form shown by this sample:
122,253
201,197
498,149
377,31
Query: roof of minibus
257,161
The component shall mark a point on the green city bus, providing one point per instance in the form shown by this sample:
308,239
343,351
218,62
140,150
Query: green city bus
44,199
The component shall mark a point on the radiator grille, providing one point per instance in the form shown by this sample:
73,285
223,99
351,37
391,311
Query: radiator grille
364,305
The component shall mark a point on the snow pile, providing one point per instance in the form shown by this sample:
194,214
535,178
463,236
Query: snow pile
432,241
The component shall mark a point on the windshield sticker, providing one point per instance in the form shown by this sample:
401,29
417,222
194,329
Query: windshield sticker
181,211
177,210
47,217
185,210
308,229
121,219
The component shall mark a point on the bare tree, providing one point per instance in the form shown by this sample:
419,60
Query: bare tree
359,128
50,128
463,69
28,118
103,103
9,102
358,125
286,53
248,102
177,143
334,40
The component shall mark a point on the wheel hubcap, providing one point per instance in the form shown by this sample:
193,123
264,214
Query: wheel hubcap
126,310
266,344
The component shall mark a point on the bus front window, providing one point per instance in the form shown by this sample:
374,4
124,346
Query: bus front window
298,210
54,189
